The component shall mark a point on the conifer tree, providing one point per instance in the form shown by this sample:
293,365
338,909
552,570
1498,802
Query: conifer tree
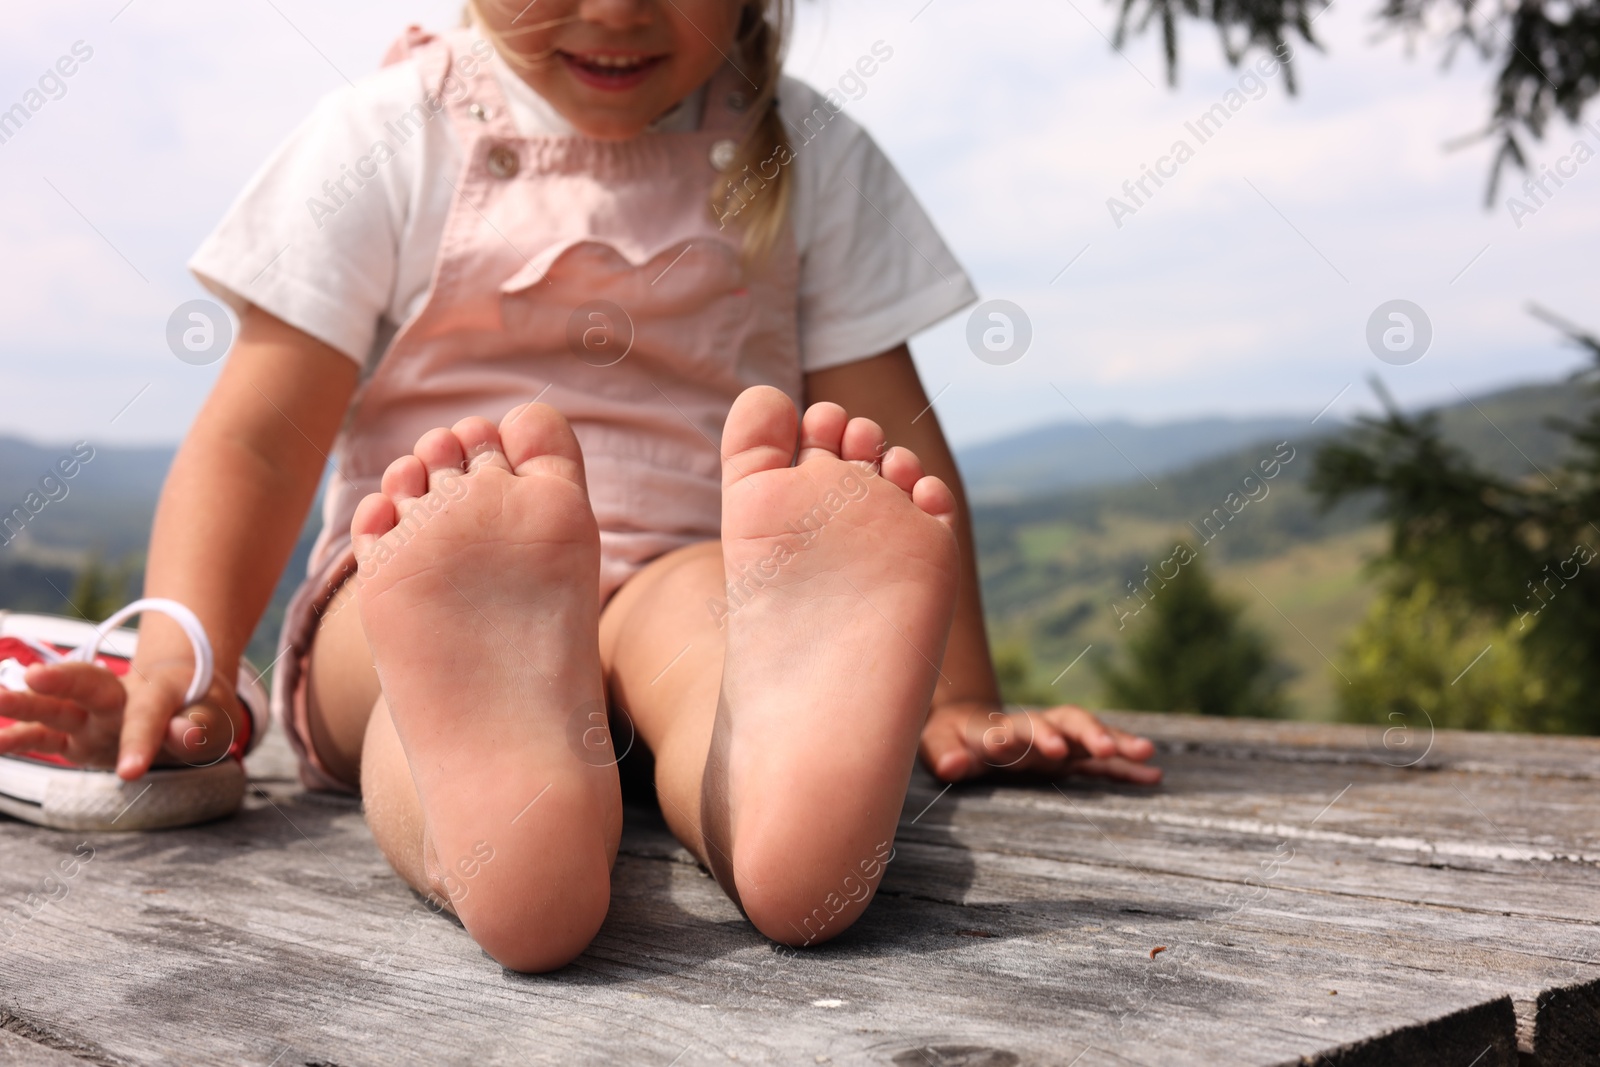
1518,553
99,590
1191,651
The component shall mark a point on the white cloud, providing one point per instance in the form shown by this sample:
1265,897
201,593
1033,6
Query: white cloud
1209,299
1013,120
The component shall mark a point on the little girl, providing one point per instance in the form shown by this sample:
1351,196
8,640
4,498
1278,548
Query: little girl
546,294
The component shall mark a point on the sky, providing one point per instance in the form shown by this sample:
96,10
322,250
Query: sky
1242,285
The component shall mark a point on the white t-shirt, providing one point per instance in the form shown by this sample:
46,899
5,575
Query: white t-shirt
873,270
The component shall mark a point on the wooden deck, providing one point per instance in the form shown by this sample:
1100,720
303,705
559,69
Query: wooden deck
1317,902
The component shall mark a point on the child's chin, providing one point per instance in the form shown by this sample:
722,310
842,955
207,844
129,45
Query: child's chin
611,130
606,116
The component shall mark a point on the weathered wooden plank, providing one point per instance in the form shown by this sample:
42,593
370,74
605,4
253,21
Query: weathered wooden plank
334,962
17,1050
1528,790
1018,920
1399,744
1331,937
1378,840
1487,805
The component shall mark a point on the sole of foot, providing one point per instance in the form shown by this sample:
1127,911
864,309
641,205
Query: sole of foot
841,570
479,577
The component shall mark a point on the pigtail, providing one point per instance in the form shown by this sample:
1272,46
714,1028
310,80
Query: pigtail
755,187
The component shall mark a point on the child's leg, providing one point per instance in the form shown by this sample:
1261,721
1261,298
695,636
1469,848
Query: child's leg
477,600
784,711
354,737
341,687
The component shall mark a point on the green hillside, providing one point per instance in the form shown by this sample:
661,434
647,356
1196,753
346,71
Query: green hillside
1057,569
1027,464
1053,564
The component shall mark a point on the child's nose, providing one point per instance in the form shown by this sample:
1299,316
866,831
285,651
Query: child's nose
617,14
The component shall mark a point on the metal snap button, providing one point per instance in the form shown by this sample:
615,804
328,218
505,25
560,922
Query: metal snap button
738,101
503,162
477,112
723,153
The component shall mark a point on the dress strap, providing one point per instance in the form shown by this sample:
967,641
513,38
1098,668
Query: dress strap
408,42
457,78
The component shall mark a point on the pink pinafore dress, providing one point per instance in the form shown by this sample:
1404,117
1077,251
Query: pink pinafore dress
593,276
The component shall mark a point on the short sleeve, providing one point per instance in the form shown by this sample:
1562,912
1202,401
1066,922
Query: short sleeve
314,237
873,269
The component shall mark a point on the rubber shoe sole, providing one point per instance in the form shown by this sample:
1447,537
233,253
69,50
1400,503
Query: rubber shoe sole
71,798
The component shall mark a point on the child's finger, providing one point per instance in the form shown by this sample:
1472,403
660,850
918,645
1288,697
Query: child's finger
1023,741
51,712
1083,729
944,748
95,688
144,728
32,737
1032,742
1048,740
999,737
200,735
1132,746
1052,755
1116,768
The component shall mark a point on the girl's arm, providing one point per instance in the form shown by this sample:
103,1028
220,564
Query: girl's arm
234,504
230,513
967,731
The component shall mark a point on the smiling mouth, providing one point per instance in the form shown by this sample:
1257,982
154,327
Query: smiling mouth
611,70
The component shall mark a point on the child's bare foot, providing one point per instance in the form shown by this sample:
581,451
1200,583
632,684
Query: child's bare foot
478,597
841,587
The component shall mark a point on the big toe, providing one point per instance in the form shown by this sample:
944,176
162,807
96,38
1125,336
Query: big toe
538,439
759,435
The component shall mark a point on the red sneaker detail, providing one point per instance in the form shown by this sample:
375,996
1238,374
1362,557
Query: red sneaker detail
19,650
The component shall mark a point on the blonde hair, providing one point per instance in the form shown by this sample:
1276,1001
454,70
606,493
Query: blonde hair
757,202
763,35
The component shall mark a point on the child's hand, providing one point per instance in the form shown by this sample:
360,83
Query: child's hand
969,739
93,718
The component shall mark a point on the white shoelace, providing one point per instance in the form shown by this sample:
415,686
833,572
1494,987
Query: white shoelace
11,671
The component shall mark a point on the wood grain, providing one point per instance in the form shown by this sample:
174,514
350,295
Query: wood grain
1318,903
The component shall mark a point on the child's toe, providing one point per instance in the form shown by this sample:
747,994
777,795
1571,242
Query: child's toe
863,442
902,467
441,453
405,480
935,498
759,434
822,430
480,443
537,437
375,516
